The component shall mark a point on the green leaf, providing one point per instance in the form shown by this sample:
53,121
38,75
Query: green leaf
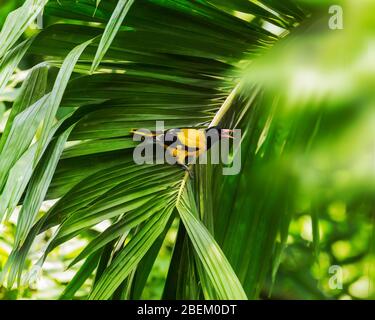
128,222
215,264
10,62
17,181
85,271
33,88
146,264
21,135
58,91
130,256
98,146
17,22
111,30
38,187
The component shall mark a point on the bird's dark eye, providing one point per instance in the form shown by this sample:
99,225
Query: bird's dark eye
170,137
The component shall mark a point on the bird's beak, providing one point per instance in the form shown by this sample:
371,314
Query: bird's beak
227,133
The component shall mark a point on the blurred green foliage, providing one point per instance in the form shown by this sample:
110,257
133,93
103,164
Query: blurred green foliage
6,7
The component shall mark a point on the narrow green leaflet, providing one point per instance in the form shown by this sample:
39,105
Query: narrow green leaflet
10,62
95,214
19,176
17,22
144,267
58,91
17,185
129,257
33,88
81,276
111,30
21,135
215,264
98,146
38,187
131,220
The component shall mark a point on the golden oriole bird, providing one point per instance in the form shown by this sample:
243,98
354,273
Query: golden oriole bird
187,144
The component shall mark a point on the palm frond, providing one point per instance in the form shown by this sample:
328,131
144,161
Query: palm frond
73,144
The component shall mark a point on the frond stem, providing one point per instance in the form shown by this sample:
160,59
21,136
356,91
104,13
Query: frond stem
215,121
